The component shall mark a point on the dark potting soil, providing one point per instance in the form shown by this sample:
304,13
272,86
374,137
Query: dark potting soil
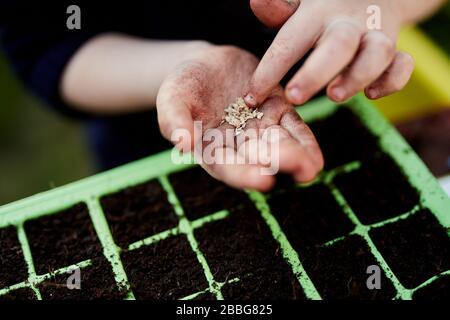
242,246
18,295
201,195
166,270
206,296
283,182
96,282
309,216
437,290
13,268
264,285
378,190
343,138
138,212
62,239
339,271
416,248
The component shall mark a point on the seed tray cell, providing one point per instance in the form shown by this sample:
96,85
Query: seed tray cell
438,290
421,230
96,282
378,190
309,216
153,229
195,204
138,212
339,271
13,267
19,294
62,239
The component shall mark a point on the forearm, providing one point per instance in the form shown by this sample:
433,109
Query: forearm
413,11
115,73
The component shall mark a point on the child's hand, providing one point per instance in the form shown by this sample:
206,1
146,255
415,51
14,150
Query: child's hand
200,90
347,57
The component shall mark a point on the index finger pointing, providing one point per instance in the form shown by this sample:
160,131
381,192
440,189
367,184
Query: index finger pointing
292,42
274,13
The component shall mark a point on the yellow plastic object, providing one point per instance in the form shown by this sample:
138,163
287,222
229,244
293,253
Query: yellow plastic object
429,88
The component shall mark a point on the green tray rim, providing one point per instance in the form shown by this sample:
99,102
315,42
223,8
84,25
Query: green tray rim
158,166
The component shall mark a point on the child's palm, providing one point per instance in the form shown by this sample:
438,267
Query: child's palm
201,89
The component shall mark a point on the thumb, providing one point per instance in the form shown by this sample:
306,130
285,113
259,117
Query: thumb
274,13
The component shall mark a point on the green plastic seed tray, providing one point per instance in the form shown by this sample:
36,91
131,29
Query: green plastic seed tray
374,225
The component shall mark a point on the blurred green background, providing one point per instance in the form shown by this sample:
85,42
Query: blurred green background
40,149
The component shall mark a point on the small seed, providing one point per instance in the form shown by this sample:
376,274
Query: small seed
237,114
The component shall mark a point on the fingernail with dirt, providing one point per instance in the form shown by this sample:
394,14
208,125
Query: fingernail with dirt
250,100
338,94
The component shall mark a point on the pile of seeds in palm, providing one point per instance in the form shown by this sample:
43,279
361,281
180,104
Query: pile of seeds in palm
238,113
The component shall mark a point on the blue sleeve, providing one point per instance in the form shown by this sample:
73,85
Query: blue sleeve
38,44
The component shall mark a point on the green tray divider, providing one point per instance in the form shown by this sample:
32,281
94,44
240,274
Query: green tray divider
81,265
430,281
28,259
404,216
49,202
220,285
35,280
160,165
363,230
432,195
176,230
110,250
194,295
317,109
220,215
20,285
328,181
154,239
186,228
288,252
402,292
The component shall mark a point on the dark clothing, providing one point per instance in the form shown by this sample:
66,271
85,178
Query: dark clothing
36,40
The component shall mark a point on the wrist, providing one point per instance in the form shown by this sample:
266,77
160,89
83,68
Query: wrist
173,54
195,48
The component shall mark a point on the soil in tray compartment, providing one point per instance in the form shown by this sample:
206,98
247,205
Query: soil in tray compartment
309,216
62,239
338,271
96,282
242,246
437,290
138,212
206,296
416,248
13,269
201,195
167,270
19,294
343,138
378,190
264,285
